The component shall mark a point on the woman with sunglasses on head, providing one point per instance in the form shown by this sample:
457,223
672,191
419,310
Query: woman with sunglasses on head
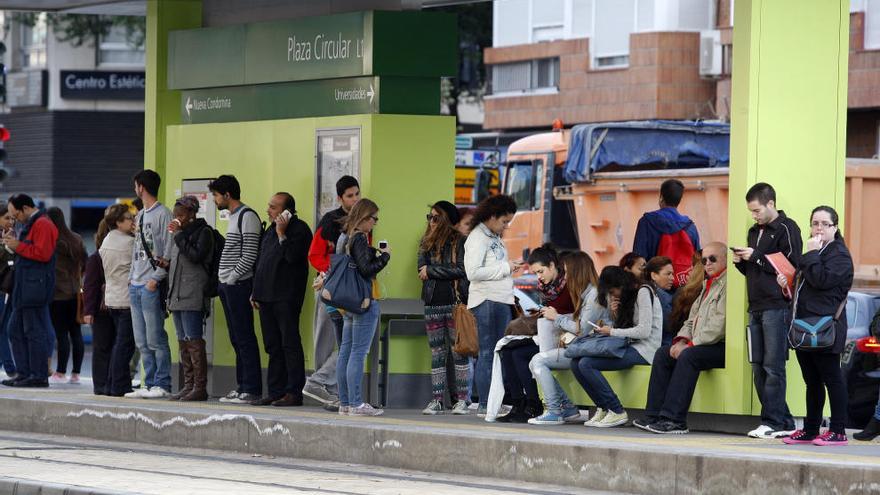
824,277
358,329
444,282
637,317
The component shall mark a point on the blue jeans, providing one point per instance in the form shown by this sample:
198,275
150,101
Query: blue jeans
588,370
541,364
492,319
5,349
148,322
357,336
29,330
240,321
189,325
769,373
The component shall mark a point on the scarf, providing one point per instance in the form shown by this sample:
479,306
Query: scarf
552,290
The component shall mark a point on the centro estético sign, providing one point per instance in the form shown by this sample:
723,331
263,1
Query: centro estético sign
103,85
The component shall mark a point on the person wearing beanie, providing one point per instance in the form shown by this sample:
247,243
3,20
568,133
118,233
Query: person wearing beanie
444,283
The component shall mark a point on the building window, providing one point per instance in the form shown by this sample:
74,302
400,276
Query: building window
116,49
614,21
872,24
33,43
525,77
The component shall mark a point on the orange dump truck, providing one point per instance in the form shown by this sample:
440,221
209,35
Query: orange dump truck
599,215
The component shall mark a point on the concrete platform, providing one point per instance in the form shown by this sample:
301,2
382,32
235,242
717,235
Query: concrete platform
620,460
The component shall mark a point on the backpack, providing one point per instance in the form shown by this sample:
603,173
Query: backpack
213,265
680,249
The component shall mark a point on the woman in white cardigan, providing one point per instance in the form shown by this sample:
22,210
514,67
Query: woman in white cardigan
490,273
638,317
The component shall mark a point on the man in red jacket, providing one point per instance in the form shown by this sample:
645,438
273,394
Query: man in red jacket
321,386
30,325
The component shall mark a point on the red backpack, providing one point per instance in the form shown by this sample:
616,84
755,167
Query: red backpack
679,248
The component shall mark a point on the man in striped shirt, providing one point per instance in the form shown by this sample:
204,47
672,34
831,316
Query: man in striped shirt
236,285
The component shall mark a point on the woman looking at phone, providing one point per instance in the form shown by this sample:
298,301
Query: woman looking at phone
581,283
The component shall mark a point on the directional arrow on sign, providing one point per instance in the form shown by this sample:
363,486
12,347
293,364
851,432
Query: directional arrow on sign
370,93
188,106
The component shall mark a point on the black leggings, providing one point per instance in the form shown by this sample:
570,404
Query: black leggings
68,332
518,380
822,370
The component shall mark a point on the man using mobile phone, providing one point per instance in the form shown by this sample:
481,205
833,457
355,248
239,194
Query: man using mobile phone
280,280
769,312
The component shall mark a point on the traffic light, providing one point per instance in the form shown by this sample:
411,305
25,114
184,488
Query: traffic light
4,136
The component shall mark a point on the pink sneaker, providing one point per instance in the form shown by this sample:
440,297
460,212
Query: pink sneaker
799,437
831,438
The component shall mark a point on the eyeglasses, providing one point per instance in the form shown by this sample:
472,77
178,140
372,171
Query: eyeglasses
127,217
822,224
709,259
432,218
375,218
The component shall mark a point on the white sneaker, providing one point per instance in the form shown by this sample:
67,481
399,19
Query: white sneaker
434,408
137,393
767,433
460,408
156,392
597,416
365,410
612,419
343,410
57,378
232,395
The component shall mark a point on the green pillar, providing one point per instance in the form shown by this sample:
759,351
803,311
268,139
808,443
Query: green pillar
788,129
160,103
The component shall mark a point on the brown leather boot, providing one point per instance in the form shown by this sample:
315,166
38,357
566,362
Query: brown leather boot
199,358
187,365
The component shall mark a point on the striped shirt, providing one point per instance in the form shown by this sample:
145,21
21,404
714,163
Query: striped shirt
241,248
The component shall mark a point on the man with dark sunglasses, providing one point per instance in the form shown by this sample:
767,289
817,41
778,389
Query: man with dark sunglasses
699,346
769,310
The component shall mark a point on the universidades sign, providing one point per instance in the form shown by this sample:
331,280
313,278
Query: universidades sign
102,85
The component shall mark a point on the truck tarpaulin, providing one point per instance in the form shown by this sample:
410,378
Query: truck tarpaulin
654,144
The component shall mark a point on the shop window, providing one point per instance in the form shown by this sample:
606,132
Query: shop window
33,44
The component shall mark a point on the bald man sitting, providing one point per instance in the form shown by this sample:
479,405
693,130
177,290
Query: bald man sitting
698,346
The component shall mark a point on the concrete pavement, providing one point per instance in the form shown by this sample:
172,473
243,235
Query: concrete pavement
621,460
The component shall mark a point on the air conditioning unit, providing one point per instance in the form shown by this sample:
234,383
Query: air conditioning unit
710,53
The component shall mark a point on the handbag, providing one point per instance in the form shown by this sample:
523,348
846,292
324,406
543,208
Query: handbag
466,342
80,317
524,325
345,287
814,333
597,345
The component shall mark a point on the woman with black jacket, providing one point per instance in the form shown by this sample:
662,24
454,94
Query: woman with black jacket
358,329
441,269
824,277
188,303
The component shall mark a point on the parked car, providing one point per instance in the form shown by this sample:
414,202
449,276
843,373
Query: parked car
860,359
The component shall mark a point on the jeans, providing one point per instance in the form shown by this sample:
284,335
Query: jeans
103,338
357,336
588,370
325,375
492,319
540,365
148,322
189,325
240,320
123,349
29,329
69,334
821,370
769,373
673,381
5,349
324,332
518,381
287,367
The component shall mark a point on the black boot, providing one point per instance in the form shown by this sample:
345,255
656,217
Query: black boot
534,408
871,431
515,414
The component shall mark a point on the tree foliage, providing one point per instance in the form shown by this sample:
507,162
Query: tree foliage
86,29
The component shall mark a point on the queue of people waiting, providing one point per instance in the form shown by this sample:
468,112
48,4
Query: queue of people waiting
663,306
